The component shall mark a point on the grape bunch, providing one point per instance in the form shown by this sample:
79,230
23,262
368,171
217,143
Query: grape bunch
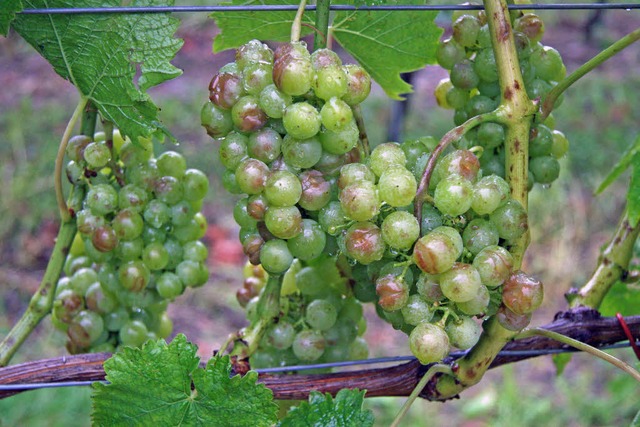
320,319
472,89
137,245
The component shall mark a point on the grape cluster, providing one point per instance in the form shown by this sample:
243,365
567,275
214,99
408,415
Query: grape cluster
137,245
473,88
320,319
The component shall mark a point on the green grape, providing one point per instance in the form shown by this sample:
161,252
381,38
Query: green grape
284,222
364,243
416,310
134,275
490,135
522,293
477,305
488,194
480,104
301,120
82,279
74,172
281,335
330,164
195,251
355,172
169,285
342,141
302,154
133,333
316,191
292,69
463,333
282,189
463,75
252,52
215,120
275,256
104,238
358,84
322,58
461,283
400,230
233,149
449,53
384,156
152,234
455,97
512,321
321,314
440,93
157,213
465,30
247,116
511,220
478,234
494,264
195,184
155,256
530,25
257,76
168,189
264,145
545,169
453,195
332,218
76,146
129,250
230,183
397,187
560,145
172,164
330,82
67,304
257,206
191,273
102,199
128,224
85,328
461,163
485,65
437,251
97,155
428,288
541,141
273,102
225,89
310,243
99,301
393,292
308,345
359,201
251,176
133,197
336,114
429,343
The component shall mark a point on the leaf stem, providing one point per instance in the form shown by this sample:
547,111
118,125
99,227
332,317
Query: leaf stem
42,300
452,136
296,27
65,216
613,263
322,24
582,347
554,94
431,372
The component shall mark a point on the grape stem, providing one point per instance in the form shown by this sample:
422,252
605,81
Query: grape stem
612,265
65,216
363,138
452,136
297,22
431,372
322,24
42,300
554,94
582,347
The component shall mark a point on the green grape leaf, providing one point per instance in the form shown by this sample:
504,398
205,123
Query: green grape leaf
323,410
633,194
625,161
622,298
161,384
237,28
388,43
101,54
561,360
8,10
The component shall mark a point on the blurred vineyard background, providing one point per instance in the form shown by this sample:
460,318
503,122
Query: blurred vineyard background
600,116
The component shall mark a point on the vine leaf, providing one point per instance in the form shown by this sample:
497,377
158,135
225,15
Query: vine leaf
323,410
161,384
560,361
237,28
8,10
388,43
111,59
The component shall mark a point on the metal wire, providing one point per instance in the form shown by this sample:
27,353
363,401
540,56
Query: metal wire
376,361
265,8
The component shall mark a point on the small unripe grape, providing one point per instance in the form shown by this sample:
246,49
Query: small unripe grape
385,156
215,120
463,333
477,305
463,75
511,220
134,276
256,77
400,230
172,164
324,57
465,30
97,155
332,217
488,194
321,314
336,114
128,224
393,292
512,321
85,328
308,345
283,222
251,175
195,184
275,256
133,197
453,195
449,53
359,201
282,189
560,145
485,65
168,189
169,285
292,69
281,335
225,89
461,283
530,25
247,115
355,172
397,187
478,234
440,93
364,243
416,310
301,120
341,141
522,293
429,343
273,102
76,146
157,213
541,141
461,163
545,169
329,82
428,288
303,153
102,199
252,52
133,333
358,84
436,252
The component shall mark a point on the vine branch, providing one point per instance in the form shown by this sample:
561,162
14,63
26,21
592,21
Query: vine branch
583,324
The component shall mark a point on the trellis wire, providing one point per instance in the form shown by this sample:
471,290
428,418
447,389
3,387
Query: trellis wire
379,360
265,8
